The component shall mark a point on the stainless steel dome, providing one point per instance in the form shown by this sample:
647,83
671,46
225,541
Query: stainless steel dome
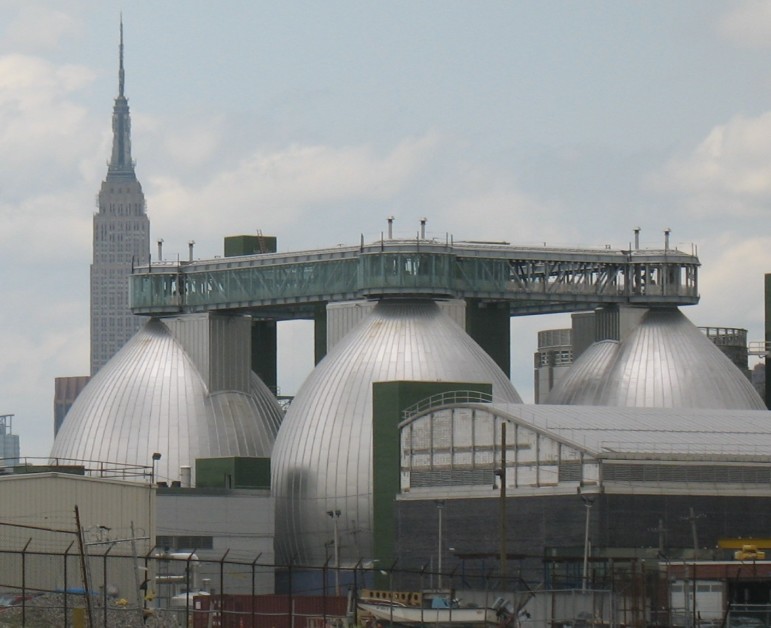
585,381
322,460
150,397
666,362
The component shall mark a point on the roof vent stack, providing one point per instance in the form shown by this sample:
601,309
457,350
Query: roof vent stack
637,238
423,228
390,227
667,231
160,250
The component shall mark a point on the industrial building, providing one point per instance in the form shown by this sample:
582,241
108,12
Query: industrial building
341,449
51,519
408,444
9,442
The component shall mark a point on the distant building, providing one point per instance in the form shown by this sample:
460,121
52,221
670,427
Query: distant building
229,511
732,342
759,380
66,390
39,510
121,239
9,442
552,360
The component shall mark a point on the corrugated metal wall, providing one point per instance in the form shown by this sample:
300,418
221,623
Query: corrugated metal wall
46,503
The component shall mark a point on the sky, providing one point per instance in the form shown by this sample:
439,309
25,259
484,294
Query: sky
569,123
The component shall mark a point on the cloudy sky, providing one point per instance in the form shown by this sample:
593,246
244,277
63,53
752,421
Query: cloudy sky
532,121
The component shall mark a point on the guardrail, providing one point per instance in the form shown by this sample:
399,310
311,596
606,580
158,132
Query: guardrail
445,398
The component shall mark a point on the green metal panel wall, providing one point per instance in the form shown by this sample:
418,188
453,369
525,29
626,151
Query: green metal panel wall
389,399
234,472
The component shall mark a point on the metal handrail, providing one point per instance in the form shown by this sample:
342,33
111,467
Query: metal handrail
445,398
91,468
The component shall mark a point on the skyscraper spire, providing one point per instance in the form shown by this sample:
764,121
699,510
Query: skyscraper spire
121,163
121,74
121,237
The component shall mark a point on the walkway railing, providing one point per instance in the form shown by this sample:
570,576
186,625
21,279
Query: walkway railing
529,279
446,398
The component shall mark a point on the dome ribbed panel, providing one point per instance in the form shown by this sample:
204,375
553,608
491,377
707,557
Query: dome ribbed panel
666,362
233,413
584,383
150,398
322,459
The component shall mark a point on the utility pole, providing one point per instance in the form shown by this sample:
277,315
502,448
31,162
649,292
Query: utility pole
439,509
692,517
588,501
501,472
86,568
335,515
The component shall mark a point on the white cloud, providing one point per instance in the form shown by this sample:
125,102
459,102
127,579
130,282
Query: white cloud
495,209
48,228
728,172
733,267
747,25
194,146
43,135
281,187
36,27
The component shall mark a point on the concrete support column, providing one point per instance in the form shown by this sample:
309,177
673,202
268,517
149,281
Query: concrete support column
489,325
320,332
265,352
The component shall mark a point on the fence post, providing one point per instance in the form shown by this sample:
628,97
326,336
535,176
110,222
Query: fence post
222,584
291,615
66,553
324,589
104,582
254,564
187,586
86,568
24,583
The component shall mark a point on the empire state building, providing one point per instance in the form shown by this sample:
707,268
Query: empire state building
121,237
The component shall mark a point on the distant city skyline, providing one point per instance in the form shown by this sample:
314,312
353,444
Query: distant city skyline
528,122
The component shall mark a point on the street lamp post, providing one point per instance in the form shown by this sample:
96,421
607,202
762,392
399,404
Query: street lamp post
439,509
335,515
501,472
156,458
588,501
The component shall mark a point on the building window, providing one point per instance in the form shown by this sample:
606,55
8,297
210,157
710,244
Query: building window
184,542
